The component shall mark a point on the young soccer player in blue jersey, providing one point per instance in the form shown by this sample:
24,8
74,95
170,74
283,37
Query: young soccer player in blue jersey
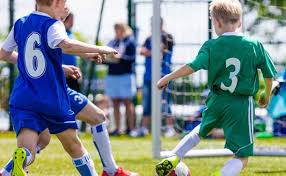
87,112
39,98
232,61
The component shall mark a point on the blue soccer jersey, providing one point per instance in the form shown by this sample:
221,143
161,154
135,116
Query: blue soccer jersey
40,86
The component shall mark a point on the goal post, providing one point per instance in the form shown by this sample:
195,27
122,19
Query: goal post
156,72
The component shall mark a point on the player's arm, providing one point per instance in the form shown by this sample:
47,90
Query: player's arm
71,46
269,71
201,62
265,96
7,52
58,38
181,72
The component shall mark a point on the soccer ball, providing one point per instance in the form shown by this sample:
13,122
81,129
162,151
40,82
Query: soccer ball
181,170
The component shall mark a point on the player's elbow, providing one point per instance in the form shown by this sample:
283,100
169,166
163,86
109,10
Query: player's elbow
66,46
4,54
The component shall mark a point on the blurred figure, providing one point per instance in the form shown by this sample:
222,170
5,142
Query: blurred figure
167,43
120,82
67,58
102,102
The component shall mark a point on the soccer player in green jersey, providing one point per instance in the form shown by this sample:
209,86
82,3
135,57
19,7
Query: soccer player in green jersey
232,61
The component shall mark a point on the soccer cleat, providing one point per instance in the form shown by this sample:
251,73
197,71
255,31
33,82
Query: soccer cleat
166,166
19,158
120,172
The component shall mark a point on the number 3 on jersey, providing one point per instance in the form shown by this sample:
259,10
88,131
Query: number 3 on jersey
34,60
234,80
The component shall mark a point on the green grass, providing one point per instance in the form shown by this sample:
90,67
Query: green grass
135,155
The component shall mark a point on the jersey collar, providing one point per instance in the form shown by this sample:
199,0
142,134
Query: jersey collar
41,13
232,33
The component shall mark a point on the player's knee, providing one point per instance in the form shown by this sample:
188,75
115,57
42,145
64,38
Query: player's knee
98,118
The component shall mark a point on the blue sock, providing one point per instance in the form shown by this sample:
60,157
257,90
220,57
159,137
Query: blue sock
7,168
85,166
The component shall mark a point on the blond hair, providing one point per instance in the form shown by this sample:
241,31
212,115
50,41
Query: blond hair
127,29
229,11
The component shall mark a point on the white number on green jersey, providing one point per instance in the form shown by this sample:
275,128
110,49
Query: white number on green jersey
34,58
236,63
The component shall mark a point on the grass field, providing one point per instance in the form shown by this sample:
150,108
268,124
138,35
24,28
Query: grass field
135,154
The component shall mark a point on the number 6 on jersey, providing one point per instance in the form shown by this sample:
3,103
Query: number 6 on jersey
234,80
35,63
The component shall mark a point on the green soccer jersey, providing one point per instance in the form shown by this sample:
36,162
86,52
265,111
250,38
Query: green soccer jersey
232,61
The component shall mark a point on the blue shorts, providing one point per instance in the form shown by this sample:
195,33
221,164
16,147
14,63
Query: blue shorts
147,94
39,122
120,86
77,100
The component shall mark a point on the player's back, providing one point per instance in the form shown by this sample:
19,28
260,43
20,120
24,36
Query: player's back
40,86
233,63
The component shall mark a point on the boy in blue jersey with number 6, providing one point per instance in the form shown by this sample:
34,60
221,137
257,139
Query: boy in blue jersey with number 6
39,98
232,61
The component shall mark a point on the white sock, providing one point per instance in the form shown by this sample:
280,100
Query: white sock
187,143
29,158
38,149
102,143
4,172
85,165
232,167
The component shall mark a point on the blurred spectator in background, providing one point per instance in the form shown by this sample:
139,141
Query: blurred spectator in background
70,59
120,81
167,43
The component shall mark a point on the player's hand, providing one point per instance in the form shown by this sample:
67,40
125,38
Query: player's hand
98,58
162,83
107,50
263,100
117,56
72,71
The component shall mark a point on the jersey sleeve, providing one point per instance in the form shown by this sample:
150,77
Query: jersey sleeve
266,64
56,34
202,59
10,43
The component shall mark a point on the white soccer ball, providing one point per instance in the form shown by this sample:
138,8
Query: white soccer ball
181,170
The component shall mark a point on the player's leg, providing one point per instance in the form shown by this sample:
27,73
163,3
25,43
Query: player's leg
238,130
233,167
25,154
27,125
96,118
78,153
130,113
116,113
43,141
209,122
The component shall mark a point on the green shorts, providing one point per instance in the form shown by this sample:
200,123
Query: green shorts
234,114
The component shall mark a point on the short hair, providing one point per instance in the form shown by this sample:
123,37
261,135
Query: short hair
229,11
44,2
127,29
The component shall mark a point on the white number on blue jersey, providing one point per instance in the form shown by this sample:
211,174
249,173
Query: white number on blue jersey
236,63
35,62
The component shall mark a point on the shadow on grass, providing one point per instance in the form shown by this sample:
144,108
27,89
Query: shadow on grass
270,172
